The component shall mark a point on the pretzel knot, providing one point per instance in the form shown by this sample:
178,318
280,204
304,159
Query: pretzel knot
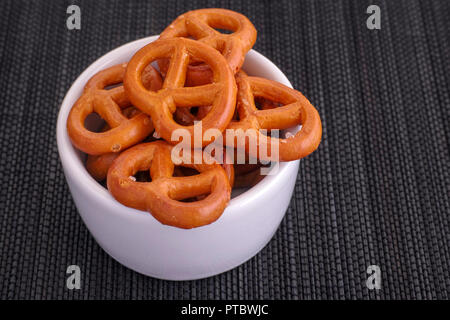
201,24
107,104
295,110
98,165
162,196
160,105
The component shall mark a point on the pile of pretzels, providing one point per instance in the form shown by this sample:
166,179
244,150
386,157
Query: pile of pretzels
191,74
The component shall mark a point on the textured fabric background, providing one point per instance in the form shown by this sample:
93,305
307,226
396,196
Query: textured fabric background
376,191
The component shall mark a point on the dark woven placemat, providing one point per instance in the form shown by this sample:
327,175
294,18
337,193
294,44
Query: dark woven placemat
376,192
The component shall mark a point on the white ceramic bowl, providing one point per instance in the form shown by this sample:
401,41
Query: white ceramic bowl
139,241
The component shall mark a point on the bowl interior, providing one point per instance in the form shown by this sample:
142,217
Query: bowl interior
73,160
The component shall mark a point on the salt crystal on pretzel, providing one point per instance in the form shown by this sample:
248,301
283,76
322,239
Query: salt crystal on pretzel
162,196
295,110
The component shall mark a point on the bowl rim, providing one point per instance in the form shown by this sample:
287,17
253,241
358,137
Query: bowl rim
76,169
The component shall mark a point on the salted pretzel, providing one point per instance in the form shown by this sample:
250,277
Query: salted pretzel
96,98
160,105
200,25
162,196
295,110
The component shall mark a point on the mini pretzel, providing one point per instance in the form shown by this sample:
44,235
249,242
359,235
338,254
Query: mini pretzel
98,165
220,95
162,196
124,132
295,110
200,25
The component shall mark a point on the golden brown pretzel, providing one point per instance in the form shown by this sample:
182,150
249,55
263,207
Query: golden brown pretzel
295,110
221,94
201,24
162,196
98,165
124,132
